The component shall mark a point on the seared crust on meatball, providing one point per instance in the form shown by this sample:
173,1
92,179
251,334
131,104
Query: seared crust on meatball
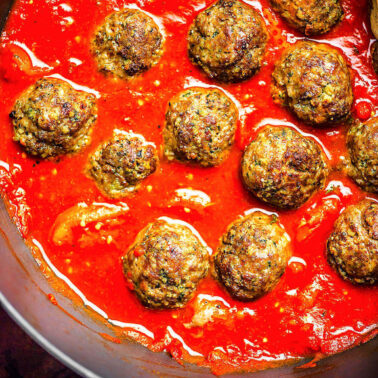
52,118
352,248
227,40
362,142
165,264
283,168
252,256
311,17
313,81
121,163
200,126
127,43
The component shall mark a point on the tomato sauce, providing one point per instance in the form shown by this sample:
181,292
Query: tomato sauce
312,311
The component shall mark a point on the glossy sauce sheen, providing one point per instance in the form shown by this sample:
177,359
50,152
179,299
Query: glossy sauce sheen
311,312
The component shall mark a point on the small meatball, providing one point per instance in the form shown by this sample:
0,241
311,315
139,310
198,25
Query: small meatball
200,126
283,168
374,56
311,17
313,81
127,43
166,263
362,141
121,163
374,17
252,256
227,40
52,118
352,248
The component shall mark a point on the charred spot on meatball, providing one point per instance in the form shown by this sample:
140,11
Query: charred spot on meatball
252,256
311,17
352,248
200,126
127,43
362,142
283,168
227,40
165,264
121,163
52,118
313,81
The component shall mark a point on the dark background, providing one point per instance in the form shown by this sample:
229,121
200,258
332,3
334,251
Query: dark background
21,357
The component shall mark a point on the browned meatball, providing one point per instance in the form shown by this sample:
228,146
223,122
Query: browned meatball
127,43
227,40
374,17
311,17
374,56
362,144
200,126
252,256
166,263
51,118
121,163
313,81
283,168
352,248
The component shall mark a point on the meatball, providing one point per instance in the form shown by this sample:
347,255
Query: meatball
166,263
311,17
352,248
374,17
200,126
374,56
283,168
127,43
362,141
227,40
52,118
313,81
121,163
252,256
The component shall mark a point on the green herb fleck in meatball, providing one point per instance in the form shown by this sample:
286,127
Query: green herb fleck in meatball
200,126
313,81
362,144
252,256
127,43
121,163
283,168
52,118
165,264
311,17
352,248
227,40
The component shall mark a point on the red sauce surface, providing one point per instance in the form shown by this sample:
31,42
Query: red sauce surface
312,311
